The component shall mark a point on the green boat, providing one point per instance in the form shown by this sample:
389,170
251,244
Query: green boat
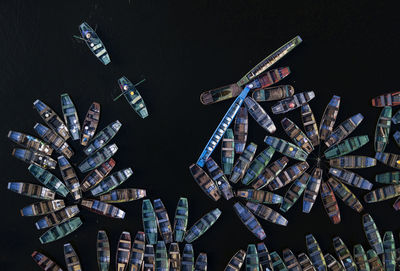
227,151
149,222
181,219
270,172
69,176
31,190
372,233
259,196
42,207
344,254
251,260
345,194
383,193
346,146
202,225
95,160
273,93
162,261
49,180
243,162
103,137
188,258
374,261
286,148
389,252
94,43
288,175
294,192
257,165
388,177
360,258
315,253
277,263
383,129
111,182
343,130
61,230
133,96
266,213
70,116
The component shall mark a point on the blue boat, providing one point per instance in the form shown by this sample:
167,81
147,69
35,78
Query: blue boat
94,43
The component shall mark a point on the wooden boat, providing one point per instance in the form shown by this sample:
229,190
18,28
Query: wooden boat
243,163
236,262
57,217
270,172
133,96
388,99
163,223
396,137
149,222
90,123
259,196
188,258
103,208
201,262
396,117
346,146
249,220
95,160
69,176
330,203
291,103
350,178
94,43
97,175
123,195
42,207
137,252
388,177
149,259
277,263
305,262
344,193
294,192
259,115
286,148
344,254
343,130
205,182
396,204
227,152
389,248
374,261
273,93
312,189
51,118
353,161
31,190
45,262
257,165
332,264
264,257
181,219
297,135
329,118
219,178
290,260
103,251
389,159
61,230
123,251
372,233
112,181
383,193
202,225
288,175
315,253
360,258
240,129
251,260
71,258
70,116
266,213
48,179
309,124
103,137
174,257
30,142
383,129
56,142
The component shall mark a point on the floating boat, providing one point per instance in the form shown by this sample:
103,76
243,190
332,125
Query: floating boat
95,160
69,176
163,223
236,262
45,262
181,219
360,258
332,264
277,263
249,220
259,196
312,189
389,248
350,178
103,251
71,258
290,260
330,203
94,43
309,124
353,161
31,190
56,142
291,103
259,115
264,257
383,193
149,259
329,118
288,175
103,208
389,159
286,148
396,118
205,182
174,257
30,142
70,116
133,96
202,225
42,207
305,262
396,137
297,136
201,262
243,162
112,181
35,158
266,213
123,251
372,234
137,252
97,175
294,192
383,129
61,230
257,165
346,146
90,123
227,152
251,260
219,178
52,119
123,195
388,177
273,93
149,222
396,204
315,253
344,254
270,172
343,130
103,137
344,193
388,99
188,258
240,129
57,217
48,179
374,261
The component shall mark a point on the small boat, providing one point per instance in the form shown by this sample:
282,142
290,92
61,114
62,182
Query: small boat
388,177
396,137
372,233
396,117
343,130
219,178
103,137
70,116
288,175
45,262
133,96
330,203
149,259
42,207
310,124
48,179
305,262
201,262
137,252
103,251
123,195
174,257
270,172
297,135
350,178
286,148
383,129
290,260
149,222
329,118
35,158
389,248
57,217
259,196
61,230
240,130
227,152
123,251
90,123
95,160
243,162
332,264
389,159
56,142
383,193
69,176
273,93
112,181
294,192
71,258
205,182
31,190
181,219
162,261
291,103
396,204
345,194
251,260
277,263
30,142
94,43
97,175
236,262
344,254
315,253
264,257
266,213
257,165
249,220
259,115
312,189
188,258
51,118
374,261
360,258
163,223
353,161
202,225
388,99
103,208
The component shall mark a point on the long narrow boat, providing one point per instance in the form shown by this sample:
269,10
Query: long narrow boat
71,258
95,160
149,222
383,193
344,254
228,151
277,263
270,172
288,175
374,261
103,208
396,204
219,178
162,262
149,259
181,219
48,179
42,207
360,258
343,130
388,177
350,178
112,181
312,189
70,116
236,262
264,257
94,43
123,195
103,137
310,124
332,264
353,161
57,217
290,260
243,163
372,234
330,203
345,194
201,262
305,262
396,137
346,146
61,230
137,252
90,123
97,175
123,251
329,118
30,142
249,220
388,99
163,223
45,262
251,260
315,253
56,142
389,248
69,176
259,196
291,103
389,159
266,213
174,257
51,118
286,148
103,251
259,115
297,135
273,93
257,165
294,192
396,117
205,182
202,225
31,190
383,129
133,97
188,258
240,129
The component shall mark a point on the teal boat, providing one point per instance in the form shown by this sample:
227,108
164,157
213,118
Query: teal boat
372,234
243,162
388,177
389,252
188,258
383,129
286,148
277,263
273,93
251,260
315,253
257,165
95,160
111,182
294,192
103,137
202,225
346,146
49,180
181,219
344,254
61,230
162,261
70,116
69,176
94,43
133,96
201,262
149,222
31,190
374,261
227,151
360,258
42,207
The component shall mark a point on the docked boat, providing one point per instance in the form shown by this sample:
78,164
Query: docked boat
251,260
273,93
103,251
149,222
35,158
286,148
305,262
312,189
202,225
103,208
205,182
57,217
162,261
266,213
259,115
332,264
163,222
56,142
310,124
71,258
277,263
345,194
372,233
69,176
61,230
249,220
389,159
219,178
264,257
123,251
396,204
374,261
315,253
259,196
396,137
288,175
48,179
290,260
388,177
188,258
70,116
90,123
112,181
236,262
94,43
344,254
103,137
257,165
383,193
240,130
42,207
330,203
227,151
329,118
389,248
181,219
291,103
350,178
174,257
31,190
396,117
383,129
270,172
352,161
149,259
201,262
243,162
45,262
343,130
95,160
294,192
388,99
133,97
30,142
297,135
123,195
137,252
97,175
360,258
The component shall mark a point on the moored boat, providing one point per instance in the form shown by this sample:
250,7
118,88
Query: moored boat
137,252
345,194
162,261
123,195
286,148
111,182
288,175
45,262
103,251
31,190
305,262
70,116
71,258
383,193
133,97
277,263
389,159
248,219
294,192
181,219
360,258
312,189
236,262
388,177
103,137
396,137
396,117
309,124
372,233
350,178
259,115
188,258
330,203
374,261
240,129
329,118
251,260
42,207
35,158
259,196
61,230
353,161
29,142
290,260
291,103
202,225
332,264
149,259
201,262
174,257
264,257
103,208
266,213
257,165
56,142
98,174
48,179
315,253
57,217
383,129
205,182
273,93
90,123
149,222
69,176
243,162
219,178
343,130
227,152
123,251
163,222
388,99
95,160
270,172
389,248
94,43
346,146
297,135
344,254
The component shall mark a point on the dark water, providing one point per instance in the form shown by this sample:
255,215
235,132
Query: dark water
183,48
